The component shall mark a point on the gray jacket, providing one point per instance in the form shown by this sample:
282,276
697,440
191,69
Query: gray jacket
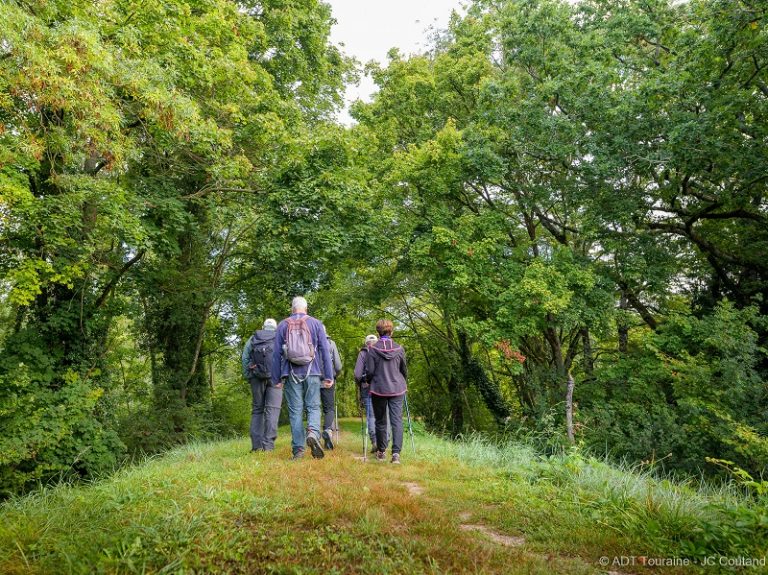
335,357
385,368
360,365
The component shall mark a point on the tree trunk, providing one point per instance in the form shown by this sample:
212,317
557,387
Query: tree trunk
556,346
589,357
474,373
457,407
623,326
569,409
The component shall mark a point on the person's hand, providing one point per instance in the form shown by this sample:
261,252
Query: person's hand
278,385
328,383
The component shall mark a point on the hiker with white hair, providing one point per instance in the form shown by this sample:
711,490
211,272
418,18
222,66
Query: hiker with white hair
365,397
300,361
267,397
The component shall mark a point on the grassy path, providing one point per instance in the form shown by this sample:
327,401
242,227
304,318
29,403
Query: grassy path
216,508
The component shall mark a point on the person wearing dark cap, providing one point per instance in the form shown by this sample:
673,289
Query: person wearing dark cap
387,374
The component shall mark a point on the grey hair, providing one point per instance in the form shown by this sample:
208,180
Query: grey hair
298,303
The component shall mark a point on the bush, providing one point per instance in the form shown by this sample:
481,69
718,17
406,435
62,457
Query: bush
153,429
688,391
49,433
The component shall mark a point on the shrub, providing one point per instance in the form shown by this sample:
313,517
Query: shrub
48,432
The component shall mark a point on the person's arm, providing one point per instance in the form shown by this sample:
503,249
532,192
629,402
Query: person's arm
370,367
277,355
336,358
246,357
360,367
322,349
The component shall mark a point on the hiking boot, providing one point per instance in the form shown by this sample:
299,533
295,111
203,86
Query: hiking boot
297,455
314,446
381,456
327,439
395,458
374,449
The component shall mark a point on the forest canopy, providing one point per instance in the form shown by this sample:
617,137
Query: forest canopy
562,207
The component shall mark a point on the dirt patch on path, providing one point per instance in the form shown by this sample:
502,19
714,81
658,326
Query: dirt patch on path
505,540
413,488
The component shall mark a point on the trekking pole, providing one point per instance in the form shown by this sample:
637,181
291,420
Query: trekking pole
362,421
365,437
410,427
338,433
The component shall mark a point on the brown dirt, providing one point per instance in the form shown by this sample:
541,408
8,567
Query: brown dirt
496,537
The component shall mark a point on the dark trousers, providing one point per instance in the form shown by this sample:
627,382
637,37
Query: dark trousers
394,407
328,400
265,412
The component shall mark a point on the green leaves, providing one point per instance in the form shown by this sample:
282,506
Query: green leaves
565,177
579,184
140,145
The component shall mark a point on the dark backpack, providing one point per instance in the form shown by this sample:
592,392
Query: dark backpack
260,358
299,349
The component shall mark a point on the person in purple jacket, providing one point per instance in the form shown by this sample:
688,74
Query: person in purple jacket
387,372
301,358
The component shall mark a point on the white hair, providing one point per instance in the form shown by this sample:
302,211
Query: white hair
298,304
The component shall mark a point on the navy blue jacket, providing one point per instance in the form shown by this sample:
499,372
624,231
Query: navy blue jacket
321,365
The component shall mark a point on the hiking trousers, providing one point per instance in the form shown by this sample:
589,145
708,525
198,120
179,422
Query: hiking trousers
265,411
302,394
392,406
328,401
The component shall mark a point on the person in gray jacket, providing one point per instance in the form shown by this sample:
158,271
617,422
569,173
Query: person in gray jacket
387,373
328,397
266,398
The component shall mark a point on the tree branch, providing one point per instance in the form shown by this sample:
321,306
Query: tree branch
114,281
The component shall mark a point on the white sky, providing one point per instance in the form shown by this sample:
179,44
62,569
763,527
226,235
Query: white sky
369,28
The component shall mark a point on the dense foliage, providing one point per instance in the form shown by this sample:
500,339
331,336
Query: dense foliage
554,191
149,154
581,189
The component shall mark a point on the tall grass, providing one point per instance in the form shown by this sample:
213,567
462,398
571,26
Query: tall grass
679,517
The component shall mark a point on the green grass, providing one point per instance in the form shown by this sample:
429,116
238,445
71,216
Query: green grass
216,508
